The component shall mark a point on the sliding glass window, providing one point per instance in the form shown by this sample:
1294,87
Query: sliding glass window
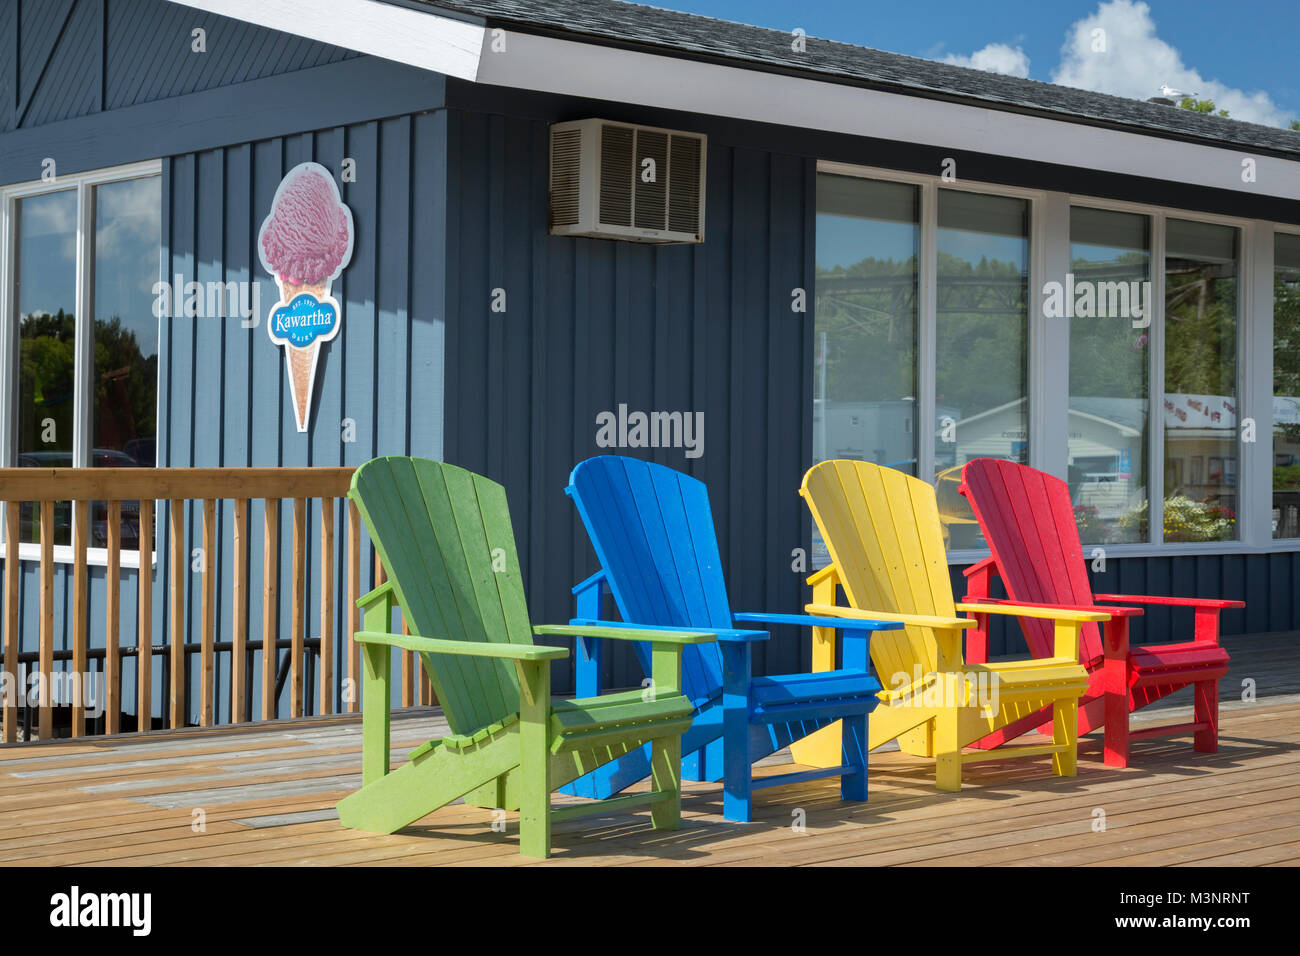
981,342
868,238
1200,382
1286,386
1110,318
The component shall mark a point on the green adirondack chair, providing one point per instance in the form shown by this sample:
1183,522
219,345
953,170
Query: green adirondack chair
444,536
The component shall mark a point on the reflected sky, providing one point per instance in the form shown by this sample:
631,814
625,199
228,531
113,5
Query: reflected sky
128,236
47,253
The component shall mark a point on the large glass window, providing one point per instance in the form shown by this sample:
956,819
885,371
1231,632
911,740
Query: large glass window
1286,386
118,335
868,237
981,341
1110,305
1200,390
45,296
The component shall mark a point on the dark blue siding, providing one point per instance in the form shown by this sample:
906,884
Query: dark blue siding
78,57
592,324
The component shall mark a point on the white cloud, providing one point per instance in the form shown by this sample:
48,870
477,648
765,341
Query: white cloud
1136,62
994,58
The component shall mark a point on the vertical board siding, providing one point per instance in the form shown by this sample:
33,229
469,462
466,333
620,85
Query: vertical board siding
77,57
589,325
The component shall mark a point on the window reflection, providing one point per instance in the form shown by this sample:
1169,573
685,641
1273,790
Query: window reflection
1110,260
124,403
1200,400
1286,386
982,326
46,294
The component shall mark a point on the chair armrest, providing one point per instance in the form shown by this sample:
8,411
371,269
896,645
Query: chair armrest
915,620
628,632
987,566
1096,609
429,645
1174,601
808,620
368,599
1050,612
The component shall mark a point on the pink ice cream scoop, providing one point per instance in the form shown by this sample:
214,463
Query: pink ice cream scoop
308,232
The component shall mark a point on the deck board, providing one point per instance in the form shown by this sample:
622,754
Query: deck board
267,793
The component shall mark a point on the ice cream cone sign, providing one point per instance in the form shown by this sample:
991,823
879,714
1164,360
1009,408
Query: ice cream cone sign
305,242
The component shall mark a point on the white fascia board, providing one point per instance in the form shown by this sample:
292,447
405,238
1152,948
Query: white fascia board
581,69
415,37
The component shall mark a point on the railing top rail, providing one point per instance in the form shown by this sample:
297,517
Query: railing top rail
131,484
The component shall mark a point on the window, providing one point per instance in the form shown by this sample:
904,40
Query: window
868,240
981,341
1286,386
1200,382
85,363
1110,355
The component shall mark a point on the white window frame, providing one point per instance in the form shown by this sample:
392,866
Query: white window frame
928,291
1048,373
1264,347
83,184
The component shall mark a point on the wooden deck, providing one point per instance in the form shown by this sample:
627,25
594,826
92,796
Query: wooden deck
264,794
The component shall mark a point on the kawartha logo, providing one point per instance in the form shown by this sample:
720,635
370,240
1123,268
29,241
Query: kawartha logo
77,909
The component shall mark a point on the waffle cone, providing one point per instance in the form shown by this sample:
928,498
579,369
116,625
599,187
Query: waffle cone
302,369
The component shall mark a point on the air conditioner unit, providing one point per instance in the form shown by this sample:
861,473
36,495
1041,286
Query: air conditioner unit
620,181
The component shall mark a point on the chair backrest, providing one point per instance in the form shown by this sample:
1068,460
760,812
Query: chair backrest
652,530
444,536
884,536
1028,520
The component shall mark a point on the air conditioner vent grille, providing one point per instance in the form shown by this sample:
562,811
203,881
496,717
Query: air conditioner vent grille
616,172
684,185
566,169
651,179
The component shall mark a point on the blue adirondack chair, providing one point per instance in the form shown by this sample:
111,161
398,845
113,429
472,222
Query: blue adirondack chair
652,530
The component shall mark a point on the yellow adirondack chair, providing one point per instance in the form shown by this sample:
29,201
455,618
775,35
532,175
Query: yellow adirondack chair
885,539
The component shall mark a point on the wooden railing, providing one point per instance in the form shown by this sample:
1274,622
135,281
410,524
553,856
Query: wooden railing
106,490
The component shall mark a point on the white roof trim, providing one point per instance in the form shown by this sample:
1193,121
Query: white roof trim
581,69
461,49
415,37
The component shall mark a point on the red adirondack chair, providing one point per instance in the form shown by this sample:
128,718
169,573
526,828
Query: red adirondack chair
1028,520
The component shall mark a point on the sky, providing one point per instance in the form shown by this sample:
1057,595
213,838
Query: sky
1241,55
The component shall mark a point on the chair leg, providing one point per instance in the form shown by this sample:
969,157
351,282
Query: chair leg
665,773
1116,742
1207,711
534,761
853,786
737,788
1065,733
947,751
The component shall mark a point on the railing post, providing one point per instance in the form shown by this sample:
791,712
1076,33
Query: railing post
144,636
76,686
112,621
353,700
239,624
12,516
176,513
208,611
326,605
296,603
45,716
270,624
